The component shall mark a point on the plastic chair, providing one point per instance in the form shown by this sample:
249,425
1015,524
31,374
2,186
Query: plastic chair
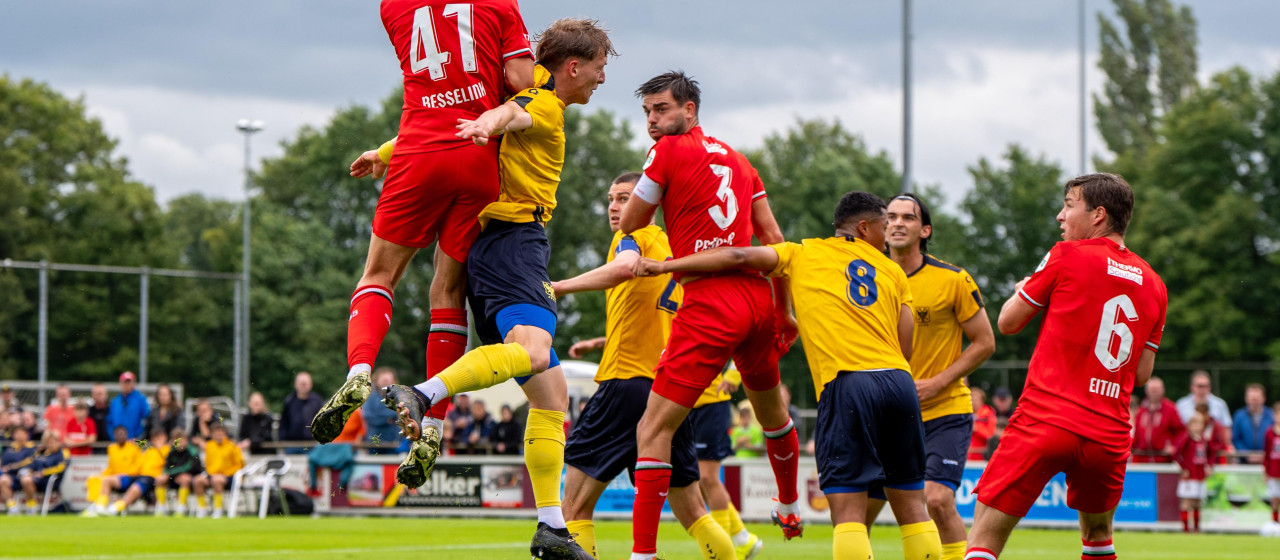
263,476
54,485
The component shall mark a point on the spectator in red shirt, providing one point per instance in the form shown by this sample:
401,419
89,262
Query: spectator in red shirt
1156,426
1195,454
81,431
59,412
984,424
1271,464
1217,434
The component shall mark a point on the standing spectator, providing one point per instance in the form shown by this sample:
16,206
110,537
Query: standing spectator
99,412
60,411
33,427
81,432
129,409
460,415
747,435
1218,435
985,420
1271,466
1251,423
1156,425
1002,403
482,425
1195,454
8,401
1201,394
379,420
202,425
167,414
507,433
300,407
255,427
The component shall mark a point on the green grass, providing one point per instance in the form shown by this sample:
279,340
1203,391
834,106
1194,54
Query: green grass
145,538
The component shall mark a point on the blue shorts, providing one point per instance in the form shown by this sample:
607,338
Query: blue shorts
946,446
711,425
507,266
144,483
869,433
603,441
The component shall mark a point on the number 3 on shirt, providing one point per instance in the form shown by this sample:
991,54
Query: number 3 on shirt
424,40
724,217
862,289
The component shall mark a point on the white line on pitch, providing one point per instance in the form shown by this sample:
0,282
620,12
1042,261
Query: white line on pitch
273,552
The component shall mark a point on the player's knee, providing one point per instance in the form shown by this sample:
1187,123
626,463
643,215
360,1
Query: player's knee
939,499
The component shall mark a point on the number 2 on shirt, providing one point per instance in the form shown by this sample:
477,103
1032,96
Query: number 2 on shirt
862,289
424,50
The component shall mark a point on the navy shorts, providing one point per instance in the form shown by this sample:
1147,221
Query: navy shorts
946,446
508,266
869,433
711,425
603,441
144,483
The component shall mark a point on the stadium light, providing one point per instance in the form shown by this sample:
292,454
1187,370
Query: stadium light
248,128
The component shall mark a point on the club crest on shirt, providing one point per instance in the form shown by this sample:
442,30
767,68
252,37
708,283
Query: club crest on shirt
922,316
649,160
1043,262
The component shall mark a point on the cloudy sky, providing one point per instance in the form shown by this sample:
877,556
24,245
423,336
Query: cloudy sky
170,79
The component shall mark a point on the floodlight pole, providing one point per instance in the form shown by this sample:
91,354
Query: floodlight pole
248,128
906,95
143,317
1083,118
42,333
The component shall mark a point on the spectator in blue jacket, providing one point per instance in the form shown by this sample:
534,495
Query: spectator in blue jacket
129,409
1250,424
380,421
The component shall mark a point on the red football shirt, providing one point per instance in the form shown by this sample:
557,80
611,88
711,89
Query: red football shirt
708,189
1193,456
452,58
77,432
1271,454
1104,305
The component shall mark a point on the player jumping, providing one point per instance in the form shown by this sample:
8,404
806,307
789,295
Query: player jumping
710,196
948,307
508,287
456,59
1104,315
854,311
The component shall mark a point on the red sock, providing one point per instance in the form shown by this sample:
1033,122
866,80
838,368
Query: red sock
784,456
446,342
979,553
653,481
1275,515
1186,527
1097,550
1196,515
370,319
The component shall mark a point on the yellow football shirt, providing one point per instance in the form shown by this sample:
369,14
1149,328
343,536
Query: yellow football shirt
945,297
639,311
530,160
848,297
711,395
122,458
151,462
222,458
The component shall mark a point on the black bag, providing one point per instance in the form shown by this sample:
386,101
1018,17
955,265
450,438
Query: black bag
298,503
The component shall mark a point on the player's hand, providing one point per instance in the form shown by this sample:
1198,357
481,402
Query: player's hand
478,131
788,331
646,267
368,163
1018,287
727,387
580,349
928,388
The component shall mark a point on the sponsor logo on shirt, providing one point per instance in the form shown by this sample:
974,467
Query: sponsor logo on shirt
714,148
1121,270
704,244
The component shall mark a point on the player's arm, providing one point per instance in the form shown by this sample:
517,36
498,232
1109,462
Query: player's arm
508,117
1016,313
642,205
906,327
982,344
767,231
518,74
721,258
1146,363
581,347
373,161
602,277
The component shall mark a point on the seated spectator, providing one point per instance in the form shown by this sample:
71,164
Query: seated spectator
180,468
9,421
50,461
99,411
167,415
29,421
985,420
460,416
129,409
482,424
1156,425
8,401
202,424
122,460
1002,403
1201,394
150,466
747,435
222,459
255,427
507,433
60,411
15,458
300,407
379,420
339,454
81,433
1250,424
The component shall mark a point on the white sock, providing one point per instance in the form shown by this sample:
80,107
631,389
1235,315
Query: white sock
357,369
434,389
788,509
553,516
638,556
741,538
429,421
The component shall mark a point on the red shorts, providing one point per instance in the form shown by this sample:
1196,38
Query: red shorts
437,194
1032,452
722,317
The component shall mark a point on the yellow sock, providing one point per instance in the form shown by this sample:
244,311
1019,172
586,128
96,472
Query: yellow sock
200,501
162,496
217,500
183,494
102,500
851,542
31,504
119,505
920,541
543,452
954,551
584,531
485,367
735,521
11,503
713,541
722,519
93,487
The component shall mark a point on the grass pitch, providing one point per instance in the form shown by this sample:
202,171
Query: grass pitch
146,538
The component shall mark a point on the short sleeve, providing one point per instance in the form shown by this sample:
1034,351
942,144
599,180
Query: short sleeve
967,297
904,296
1157,331
757,186
542,106
515,36
655,163
786,254
627,243
1045,278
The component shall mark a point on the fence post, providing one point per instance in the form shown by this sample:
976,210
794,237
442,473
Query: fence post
238,351
42,336
143,317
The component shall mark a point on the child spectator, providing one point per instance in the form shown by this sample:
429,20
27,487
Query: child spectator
202,425
122,459
150,466
50,460
81,431
1217,434
180,468
222,459
1271,464
255,427
1195,453
13,461
747,435
167,414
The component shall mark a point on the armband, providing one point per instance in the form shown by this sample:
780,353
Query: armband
648,190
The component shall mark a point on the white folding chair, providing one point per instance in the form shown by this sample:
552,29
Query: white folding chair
263,476
54,485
